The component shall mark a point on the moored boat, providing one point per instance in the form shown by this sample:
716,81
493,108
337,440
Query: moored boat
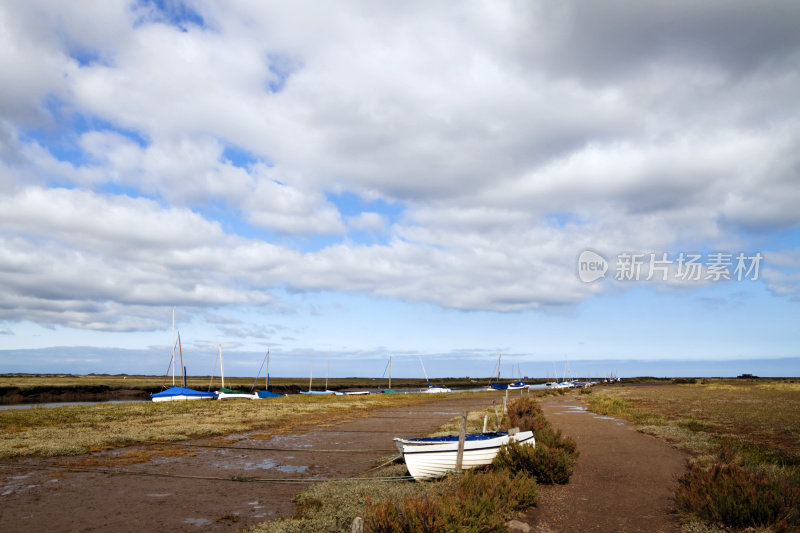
225,393
181,393
431,457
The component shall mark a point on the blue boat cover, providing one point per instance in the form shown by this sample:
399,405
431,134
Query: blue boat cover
468,436
183,391
268,394
499,386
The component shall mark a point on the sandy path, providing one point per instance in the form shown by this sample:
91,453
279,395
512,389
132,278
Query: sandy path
623,480
35,499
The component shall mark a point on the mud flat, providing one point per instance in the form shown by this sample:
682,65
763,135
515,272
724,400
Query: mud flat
240,480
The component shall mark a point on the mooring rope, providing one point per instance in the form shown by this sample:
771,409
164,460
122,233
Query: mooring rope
259,449
237,479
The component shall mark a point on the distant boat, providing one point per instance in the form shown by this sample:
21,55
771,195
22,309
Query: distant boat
432,389
225,393
497,385
325,392
387,390
180,393
431,457
266,393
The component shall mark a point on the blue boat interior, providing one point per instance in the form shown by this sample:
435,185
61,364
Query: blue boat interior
468,436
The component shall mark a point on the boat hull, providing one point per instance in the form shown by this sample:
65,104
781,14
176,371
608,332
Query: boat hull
431,459
181,394
236,396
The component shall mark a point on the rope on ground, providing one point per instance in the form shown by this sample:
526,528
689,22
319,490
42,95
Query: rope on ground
237,479
260,449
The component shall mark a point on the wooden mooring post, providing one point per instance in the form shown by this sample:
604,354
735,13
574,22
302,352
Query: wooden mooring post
462,435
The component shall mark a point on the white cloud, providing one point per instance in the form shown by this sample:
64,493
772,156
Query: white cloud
512,136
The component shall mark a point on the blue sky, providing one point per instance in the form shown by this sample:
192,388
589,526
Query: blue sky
348,182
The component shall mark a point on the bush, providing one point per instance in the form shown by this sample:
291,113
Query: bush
553,458
739,496
549,465
481,501
526,414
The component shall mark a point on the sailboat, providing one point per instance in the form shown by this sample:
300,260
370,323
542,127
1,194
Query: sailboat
497,385
389,389
266,393
519,384
180,393
432,389
326,392
229,394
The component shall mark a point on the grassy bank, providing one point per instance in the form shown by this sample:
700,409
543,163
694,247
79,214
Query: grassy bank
83,429
743,437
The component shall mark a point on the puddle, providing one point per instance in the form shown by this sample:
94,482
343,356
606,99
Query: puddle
160,495
199,522
604,417
288,441
266,464
620,423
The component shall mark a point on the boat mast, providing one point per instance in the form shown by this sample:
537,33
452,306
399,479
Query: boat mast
180,350
221,370
267,385
390,371
499,358
423,371
310,375
326,374
173,346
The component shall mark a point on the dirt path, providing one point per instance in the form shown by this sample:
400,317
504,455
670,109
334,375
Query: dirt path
623,480
35,498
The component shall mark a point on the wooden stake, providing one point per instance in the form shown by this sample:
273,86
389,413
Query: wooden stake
462,434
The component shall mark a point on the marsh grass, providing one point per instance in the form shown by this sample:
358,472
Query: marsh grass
83,429
744,436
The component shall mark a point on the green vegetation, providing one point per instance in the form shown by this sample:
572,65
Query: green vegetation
553,458
478,501
744,438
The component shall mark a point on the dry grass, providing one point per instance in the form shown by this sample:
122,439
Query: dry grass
83,429
763,415
744,437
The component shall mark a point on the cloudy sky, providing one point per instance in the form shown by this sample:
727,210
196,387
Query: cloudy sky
345,181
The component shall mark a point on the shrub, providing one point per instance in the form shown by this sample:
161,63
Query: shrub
525,414
555,439
739,496
481,501
549,465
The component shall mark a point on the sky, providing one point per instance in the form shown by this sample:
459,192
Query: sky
578,187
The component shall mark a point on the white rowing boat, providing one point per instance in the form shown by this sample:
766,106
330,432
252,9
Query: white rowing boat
431,457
